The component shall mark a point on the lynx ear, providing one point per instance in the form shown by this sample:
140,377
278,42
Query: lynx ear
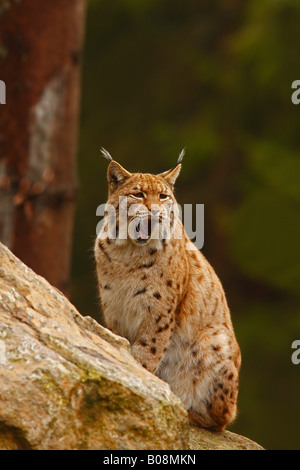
171,175
116,175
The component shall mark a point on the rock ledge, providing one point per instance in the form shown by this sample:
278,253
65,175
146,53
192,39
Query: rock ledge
68,383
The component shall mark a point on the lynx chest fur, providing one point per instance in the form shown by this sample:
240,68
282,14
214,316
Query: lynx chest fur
160,292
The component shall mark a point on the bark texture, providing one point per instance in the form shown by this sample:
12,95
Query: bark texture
40,51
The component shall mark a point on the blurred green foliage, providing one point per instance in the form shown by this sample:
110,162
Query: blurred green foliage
214,76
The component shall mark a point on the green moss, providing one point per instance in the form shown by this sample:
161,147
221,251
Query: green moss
48,384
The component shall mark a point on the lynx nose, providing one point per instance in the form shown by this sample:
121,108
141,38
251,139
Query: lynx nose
155,211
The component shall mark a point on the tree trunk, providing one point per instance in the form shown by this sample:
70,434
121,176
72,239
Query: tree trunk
40,51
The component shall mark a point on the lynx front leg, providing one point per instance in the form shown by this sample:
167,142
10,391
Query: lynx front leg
152,343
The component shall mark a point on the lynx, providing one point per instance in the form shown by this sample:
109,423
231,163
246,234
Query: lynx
158,291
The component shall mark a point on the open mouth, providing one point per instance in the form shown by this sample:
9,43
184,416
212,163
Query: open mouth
142,230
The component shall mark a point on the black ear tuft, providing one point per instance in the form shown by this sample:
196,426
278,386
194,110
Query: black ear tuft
106,154
181,155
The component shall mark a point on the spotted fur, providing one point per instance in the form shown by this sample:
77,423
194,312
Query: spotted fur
169,303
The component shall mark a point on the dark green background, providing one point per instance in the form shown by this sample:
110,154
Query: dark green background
214,77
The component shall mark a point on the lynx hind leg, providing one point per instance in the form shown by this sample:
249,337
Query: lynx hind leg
219,408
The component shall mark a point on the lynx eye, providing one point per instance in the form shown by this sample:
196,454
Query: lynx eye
163,196
138,195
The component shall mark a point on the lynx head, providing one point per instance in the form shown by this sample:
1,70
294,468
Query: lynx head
144,205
